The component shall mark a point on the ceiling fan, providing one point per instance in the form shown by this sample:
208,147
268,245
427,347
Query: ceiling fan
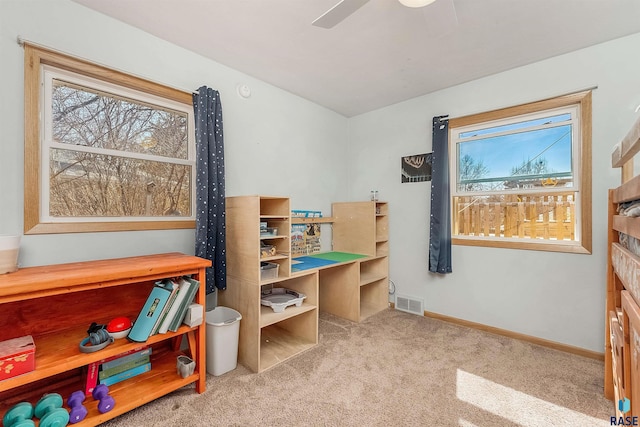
440,17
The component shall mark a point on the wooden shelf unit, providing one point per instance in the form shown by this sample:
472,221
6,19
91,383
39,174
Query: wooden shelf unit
622,325
266,337
353,290
55,304
363,228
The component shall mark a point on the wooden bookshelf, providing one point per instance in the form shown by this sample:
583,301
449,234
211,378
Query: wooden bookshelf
55,304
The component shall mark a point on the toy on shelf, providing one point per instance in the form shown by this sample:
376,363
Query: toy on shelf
50,411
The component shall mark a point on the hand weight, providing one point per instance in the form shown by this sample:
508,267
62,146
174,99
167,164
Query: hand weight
19,415
50,411
78,411
101,393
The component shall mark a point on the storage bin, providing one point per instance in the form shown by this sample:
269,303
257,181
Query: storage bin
268,232
9,247
17,356
267,251
223,330
269,270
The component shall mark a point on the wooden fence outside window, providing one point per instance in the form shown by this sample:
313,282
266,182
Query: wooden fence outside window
540,216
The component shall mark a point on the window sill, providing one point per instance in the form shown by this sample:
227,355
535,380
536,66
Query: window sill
568,247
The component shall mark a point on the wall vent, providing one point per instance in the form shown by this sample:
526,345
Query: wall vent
410,305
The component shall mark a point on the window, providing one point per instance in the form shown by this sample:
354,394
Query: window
110,151
521,176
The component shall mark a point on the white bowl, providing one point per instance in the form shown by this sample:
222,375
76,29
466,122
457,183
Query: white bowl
9,247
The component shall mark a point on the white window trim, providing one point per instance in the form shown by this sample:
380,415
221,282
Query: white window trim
48,75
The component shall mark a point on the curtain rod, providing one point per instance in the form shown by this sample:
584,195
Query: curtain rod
21,42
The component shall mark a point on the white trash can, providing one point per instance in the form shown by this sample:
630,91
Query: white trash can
223,329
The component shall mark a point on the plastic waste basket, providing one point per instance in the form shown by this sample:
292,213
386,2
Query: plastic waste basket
223,329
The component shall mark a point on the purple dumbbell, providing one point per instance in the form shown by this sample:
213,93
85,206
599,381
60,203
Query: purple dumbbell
101,393
78,411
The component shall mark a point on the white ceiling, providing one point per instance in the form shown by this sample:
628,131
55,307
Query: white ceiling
383,53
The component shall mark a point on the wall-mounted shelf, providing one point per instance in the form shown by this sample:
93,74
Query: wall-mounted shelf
300,220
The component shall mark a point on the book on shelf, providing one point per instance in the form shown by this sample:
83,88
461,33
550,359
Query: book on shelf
92,370
173,287
149,314
133,363
130,373
183,291
192,286
126,358
91,378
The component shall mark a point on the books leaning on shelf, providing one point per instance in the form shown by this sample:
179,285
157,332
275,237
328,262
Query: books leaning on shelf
187,289
149,314
173,287
184,304
165,308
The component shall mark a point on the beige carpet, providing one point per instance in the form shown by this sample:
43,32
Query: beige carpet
397,369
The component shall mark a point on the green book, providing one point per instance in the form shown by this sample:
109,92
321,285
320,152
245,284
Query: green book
106,373
192,286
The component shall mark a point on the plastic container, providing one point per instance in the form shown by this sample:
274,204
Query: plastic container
9,247
280,298
223,330
269,270
267,250
269,231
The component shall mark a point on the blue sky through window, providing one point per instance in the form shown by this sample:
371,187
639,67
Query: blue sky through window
501,154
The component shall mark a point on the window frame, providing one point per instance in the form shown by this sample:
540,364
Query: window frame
34,223
582,176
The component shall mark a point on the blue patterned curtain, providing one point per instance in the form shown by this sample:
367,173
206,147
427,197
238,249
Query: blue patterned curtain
440,225
210,194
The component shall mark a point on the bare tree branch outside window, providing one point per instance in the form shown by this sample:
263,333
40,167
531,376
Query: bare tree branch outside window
116,157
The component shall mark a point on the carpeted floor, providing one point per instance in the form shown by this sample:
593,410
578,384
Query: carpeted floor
397,369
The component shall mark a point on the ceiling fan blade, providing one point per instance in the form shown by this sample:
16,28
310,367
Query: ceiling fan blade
338,13
440,17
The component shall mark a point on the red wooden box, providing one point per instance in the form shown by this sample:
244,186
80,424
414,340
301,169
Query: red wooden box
17,357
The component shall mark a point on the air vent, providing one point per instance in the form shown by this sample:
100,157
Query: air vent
410,304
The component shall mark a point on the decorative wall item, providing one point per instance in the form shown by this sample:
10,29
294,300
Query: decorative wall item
416,168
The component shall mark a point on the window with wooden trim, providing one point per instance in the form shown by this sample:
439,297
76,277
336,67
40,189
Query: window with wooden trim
104,151
521,176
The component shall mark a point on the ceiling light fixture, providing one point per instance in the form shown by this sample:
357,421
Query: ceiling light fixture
416,3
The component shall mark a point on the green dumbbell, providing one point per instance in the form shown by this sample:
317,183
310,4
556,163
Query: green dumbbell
19,416
50,411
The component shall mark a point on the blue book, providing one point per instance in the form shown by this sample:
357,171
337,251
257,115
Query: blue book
173,287
149,314
126,374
